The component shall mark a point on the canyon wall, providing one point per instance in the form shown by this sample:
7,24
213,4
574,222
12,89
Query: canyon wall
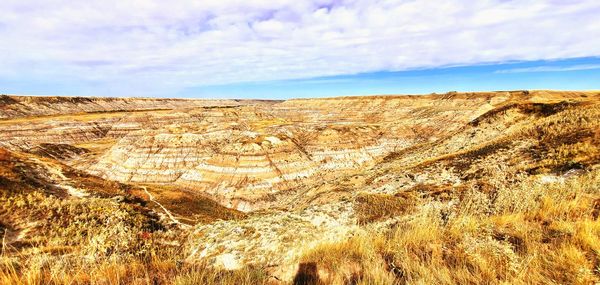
28,106
242,153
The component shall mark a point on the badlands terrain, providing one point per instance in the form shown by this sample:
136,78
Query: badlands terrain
457,188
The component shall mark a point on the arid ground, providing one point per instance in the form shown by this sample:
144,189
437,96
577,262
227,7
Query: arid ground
456,188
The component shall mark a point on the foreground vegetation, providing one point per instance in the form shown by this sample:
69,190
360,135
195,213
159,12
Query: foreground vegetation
96,241
531,234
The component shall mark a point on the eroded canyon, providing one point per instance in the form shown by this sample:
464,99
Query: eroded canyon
237,183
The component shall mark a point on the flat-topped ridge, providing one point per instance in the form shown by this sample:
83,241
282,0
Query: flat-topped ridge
462,95
12,107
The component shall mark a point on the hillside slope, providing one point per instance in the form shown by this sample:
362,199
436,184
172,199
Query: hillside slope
457,188
12,107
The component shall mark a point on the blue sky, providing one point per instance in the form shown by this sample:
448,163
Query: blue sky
290,48
566,74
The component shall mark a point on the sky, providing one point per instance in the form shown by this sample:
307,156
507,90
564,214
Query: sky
278,49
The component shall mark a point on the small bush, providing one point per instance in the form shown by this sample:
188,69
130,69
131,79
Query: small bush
374,207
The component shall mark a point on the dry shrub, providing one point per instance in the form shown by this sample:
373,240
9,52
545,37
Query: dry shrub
355,261
374,207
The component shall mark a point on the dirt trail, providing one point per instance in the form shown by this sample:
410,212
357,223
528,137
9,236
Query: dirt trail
167,212
63,183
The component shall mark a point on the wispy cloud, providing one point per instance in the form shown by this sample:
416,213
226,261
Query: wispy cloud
549,68
116,47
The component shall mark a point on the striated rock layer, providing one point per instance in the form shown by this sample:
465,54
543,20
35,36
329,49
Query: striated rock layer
27,106
245,157
245,154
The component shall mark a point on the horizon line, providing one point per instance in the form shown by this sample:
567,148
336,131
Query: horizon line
304,98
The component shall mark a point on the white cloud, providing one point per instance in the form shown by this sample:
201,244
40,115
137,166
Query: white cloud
549,68
154,47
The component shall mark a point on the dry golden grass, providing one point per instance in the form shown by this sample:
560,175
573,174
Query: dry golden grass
374,207
355,261
47,270
549,237
191,206
97,241
568,139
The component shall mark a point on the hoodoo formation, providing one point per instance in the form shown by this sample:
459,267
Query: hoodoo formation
262,183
